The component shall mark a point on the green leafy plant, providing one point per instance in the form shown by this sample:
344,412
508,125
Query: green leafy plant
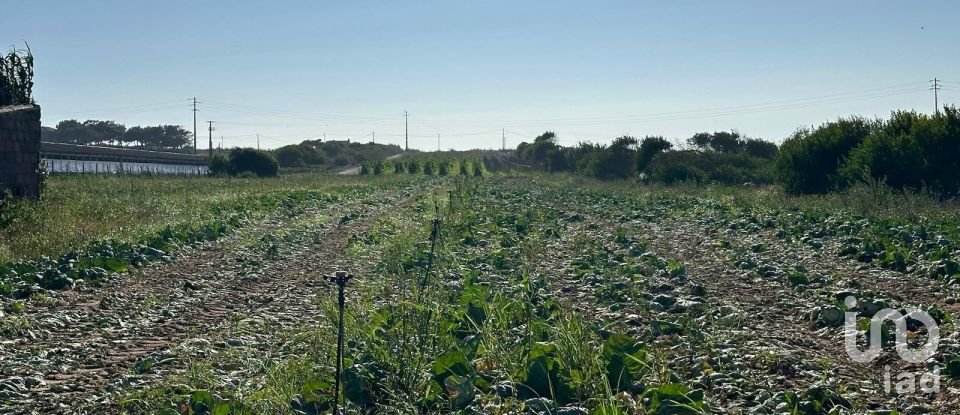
545,375
674,399
626,361
16,77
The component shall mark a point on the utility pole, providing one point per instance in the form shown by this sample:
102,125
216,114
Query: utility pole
374,137
210,128
406,131
438,142
195,125
258,141
503,136
935,86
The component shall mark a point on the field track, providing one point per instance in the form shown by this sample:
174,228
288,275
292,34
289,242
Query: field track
97,336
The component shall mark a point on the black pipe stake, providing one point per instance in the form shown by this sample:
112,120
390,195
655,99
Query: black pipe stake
434,234
340,278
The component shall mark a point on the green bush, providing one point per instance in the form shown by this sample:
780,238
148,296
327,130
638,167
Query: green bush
260,163
649,148
911,151
617,161
297,156
810,160
218,165
413,167
709,167
722,157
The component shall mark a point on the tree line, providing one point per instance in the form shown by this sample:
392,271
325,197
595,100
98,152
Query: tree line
909,150
332,153
111,133
719,157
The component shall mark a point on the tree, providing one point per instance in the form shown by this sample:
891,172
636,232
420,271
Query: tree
300,155
649,148
760,148
104,132
258,162
290,156
724,142
72,132
709,167
810,160
911,151
175,137
617,161
544,146
218,165
97,132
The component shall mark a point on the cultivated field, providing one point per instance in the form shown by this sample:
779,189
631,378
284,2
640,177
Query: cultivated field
490,294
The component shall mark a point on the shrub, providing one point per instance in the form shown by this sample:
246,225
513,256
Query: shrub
290,156
299,155
809,161
649,148
759,148
721,141
218,165
709,167
260,163
911,151
413,167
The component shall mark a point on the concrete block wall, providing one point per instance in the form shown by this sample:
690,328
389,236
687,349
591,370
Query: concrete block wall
20,150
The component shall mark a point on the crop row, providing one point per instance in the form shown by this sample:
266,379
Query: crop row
426,165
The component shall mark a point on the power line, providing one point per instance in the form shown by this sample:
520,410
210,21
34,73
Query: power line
914,86
128,109
297,114
703,114
761,107
874,93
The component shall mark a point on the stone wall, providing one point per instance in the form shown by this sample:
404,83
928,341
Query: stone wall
20,150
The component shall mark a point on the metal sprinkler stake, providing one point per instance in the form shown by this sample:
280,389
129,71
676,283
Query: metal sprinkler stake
340,278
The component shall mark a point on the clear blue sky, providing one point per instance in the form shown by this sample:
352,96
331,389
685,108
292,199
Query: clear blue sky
588,70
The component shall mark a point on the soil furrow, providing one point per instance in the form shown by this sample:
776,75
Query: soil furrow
106,341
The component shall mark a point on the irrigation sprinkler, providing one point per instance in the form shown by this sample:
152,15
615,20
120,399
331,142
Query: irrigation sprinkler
340,278
434,235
